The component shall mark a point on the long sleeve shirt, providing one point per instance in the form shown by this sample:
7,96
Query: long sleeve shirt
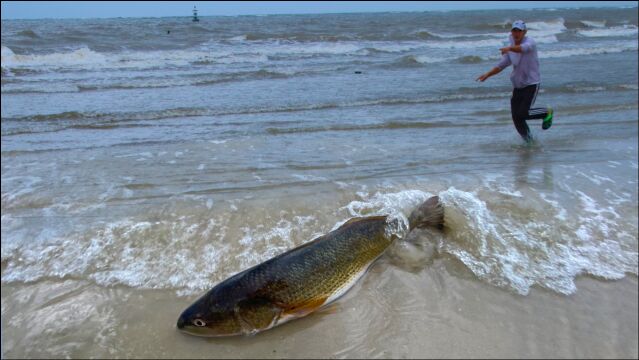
525,64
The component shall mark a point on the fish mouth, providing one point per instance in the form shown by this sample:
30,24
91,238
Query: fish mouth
203,332
186,328
191,330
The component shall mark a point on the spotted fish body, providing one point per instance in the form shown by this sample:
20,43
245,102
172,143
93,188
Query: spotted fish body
292,284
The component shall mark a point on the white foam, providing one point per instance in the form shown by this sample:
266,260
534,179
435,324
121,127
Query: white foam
462,36
562,214
594,24
238,51
542,244
543,32
597,179
609,49
395,205
470,44
518,255
80,57
238,38
546,28
5,52
220,53
138,254
591,206
617,31
309,178
423,59
271,241
85,58
22,186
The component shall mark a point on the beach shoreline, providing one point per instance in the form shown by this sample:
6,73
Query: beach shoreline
428,314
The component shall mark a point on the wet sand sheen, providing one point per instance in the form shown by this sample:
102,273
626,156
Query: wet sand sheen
441,311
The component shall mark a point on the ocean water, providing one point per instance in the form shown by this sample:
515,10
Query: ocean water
161,154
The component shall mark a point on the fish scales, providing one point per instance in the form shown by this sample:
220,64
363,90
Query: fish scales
314,270
299,281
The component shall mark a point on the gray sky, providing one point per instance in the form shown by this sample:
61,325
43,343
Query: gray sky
107,9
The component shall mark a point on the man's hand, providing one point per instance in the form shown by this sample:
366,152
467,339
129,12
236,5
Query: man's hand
483,77
505,50
493,71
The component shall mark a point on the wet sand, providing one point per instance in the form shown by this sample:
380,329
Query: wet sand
440,311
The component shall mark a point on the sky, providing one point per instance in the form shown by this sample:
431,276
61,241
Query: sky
109,9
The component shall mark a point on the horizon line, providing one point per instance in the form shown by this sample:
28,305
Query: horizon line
550,8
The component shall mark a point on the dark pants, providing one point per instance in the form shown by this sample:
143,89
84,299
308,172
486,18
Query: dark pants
520,104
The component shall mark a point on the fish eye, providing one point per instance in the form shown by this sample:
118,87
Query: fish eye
199,322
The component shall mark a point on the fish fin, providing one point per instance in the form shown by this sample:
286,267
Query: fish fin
257,314
332,308
360,219
305,308
352,221
430,213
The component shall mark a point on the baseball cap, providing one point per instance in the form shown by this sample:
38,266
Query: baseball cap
519,24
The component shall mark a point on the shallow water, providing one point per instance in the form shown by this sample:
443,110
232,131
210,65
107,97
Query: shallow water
140,170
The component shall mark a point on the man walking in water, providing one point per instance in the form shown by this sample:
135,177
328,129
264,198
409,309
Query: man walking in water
522,55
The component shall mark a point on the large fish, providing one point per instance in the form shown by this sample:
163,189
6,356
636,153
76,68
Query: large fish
299,281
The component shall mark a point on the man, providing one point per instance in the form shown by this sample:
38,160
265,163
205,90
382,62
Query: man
522,55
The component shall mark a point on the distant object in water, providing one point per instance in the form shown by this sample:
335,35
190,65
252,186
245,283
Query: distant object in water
195,19
358,72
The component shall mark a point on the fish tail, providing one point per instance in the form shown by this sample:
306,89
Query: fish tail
430,213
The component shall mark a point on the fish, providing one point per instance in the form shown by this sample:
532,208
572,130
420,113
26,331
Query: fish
300,281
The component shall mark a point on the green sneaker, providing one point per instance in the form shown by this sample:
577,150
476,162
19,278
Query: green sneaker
547,120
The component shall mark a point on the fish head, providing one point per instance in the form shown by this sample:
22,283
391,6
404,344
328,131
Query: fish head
208,317
219,313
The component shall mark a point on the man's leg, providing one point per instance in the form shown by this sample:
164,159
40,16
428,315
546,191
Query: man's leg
540,113
519,105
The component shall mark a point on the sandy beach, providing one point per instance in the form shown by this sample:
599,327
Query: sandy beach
440,311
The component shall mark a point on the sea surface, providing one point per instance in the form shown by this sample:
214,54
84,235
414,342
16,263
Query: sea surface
163,154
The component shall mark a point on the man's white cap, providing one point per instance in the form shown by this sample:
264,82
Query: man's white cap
519,24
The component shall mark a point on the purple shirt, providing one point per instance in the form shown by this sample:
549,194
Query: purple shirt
525,64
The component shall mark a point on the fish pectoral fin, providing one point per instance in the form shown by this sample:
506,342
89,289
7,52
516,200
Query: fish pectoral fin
256,315
332,308
304,308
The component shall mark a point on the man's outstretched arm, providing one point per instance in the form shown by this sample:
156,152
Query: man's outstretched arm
493,71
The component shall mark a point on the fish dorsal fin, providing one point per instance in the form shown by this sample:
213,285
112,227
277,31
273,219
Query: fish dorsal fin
356,220
352,221
257,314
